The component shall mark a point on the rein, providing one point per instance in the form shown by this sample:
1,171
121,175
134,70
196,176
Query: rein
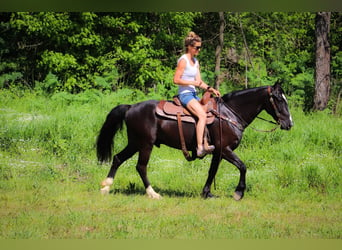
227,119
266,131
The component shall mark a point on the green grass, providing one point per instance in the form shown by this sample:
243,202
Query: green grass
49,179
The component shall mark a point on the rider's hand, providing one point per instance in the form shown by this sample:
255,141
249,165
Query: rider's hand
215,92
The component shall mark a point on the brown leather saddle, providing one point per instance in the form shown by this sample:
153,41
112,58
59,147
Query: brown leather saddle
175,111
172,109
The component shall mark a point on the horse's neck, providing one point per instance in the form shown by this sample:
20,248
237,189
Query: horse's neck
248,106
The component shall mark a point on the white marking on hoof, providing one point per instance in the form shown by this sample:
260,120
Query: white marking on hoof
152,194
105,190
106,185
107,182
237,196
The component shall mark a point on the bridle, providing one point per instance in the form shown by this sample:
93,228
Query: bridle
269,91
273,104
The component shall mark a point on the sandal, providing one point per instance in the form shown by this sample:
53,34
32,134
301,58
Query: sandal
204,151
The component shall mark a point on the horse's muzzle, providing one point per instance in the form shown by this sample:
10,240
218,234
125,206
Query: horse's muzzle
286,125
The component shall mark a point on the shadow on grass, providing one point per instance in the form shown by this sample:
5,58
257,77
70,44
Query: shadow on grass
132,189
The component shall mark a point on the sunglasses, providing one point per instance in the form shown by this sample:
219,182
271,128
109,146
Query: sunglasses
197,47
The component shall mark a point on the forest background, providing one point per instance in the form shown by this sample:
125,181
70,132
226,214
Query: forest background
53,52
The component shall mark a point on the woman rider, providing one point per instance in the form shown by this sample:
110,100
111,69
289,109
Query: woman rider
188,77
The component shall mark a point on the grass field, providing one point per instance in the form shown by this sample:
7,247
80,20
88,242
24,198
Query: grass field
50,179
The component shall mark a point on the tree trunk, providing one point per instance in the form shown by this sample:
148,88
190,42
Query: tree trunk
219,51
247,55
322,73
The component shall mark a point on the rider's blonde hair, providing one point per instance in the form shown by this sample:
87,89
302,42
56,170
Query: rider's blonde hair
191,39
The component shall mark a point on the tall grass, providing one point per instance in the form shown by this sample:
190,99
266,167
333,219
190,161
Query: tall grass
308,156
49,178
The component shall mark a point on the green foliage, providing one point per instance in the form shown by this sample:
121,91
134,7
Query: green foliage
82,49
337,65
110,51
50,84
10,79
301,88
58,62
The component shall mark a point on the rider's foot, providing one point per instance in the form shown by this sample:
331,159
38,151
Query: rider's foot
201,151
209,148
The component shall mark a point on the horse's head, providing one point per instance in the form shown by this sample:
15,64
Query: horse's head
278,108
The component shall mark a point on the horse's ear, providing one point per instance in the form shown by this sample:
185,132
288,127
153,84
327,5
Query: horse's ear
278,84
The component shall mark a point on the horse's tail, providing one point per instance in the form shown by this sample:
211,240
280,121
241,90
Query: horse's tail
105,140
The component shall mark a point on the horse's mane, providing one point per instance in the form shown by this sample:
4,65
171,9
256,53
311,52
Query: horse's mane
239,93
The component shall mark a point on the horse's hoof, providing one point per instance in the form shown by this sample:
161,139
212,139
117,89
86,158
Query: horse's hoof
155,196
152,194
107,182
209,196
212,196
105,190
238,195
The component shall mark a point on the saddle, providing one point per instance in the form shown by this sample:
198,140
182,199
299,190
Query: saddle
172,109
175,111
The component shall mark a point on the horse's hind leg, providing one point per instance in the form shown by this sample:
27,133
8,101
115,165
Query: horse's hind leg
118,159
144,156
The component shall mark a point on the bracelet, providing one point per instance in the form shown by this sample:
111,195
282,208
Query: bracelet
208,87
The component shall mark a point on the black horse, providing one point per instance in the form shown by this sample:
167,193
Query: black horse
235,111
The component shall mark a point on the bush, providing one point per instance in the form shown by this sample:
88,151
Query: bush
49,85
9,79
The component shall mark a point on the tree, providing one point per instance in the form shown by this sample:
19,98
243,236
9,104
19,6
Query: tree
322,73
218,51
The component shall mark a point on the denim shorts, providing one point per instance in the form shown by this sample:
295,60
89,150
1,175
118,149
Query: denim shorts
187,97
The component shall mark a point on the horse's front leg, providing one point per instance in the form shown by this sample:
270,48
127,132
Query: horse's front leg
211,175
230,156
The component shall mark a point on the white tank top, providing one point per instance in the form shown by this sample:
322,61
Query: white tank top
189,74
